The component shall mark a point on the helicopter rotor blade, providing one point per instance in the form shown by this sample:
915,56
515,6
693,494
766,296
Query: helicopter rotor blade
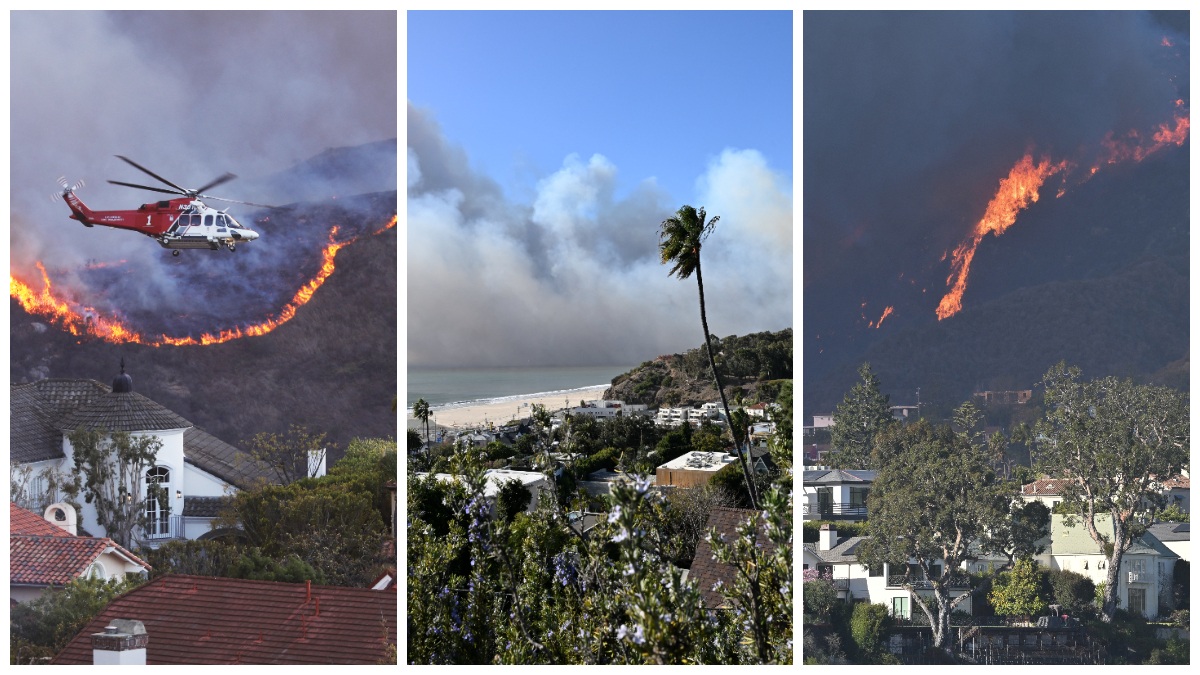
147,187
152,174
238,201
214,183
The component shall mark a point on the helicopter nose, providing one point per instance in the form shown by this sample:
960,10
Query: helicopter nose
249,235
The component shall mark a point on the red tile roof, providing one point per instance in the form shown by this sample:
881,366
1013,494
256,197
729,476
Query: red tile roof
43,557
1044,486
213,620
1182,482
21,521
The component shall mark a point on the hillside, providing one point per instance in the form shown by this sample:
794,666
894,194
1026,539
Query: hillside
332,367
751,367
1098,278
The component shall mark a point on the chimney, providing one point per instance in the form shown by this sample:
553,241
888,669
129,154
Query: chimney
123,643
828,537
63,515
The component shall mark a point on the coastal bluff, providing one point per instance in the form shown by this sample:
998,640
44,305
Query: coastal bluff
753,367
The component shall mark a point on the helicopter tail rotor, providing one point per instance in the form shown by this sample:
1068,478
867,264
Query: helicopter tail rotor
65,188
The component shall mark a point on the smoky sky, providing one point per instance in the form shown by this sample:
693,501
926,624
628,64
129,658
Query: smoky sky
190,95
574,277
912,118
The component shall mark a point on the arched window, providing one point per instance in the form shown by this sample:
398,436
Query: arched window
157,514
96,571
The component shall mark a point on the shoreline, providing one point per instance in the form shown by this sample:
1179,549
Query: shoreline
458,417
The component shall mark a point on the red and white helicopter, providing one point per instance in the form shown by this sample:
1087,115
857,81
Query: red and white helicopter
186,222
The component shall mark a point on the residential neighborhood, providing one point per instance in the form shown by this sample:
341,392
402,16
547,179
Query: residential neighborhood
956,599
118,502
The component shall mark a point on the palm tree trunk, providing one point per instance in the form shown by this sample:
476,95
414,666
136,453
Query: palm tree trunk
712,361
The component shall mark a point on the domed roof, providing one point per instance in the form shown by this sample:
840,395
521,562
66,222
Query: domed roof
123,383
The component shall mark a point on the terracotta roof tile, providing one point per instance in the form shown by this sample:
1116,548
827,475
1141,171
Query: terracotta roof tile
706,571
213,620
1044,486
38,556
21,521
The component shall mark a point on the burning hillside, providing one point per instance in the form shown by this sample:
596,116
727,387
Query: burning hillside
216,308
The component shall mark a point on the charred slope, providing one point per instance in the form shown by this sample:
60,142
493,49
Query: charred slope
1097,278
331,368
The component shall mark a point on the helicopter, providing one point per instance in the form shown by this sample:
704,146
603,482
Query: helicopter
182,223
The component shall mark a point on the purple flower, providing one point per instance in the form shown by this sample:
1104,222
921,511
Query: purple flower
620,536
614,514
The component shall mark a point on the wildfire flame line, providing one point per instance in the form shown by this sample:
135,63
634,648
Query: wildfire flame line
1017,191
1020,189
45,303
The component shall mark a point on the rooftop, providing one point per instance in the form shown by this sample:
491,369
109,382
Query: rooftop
44,554
706,571
699,461
214,620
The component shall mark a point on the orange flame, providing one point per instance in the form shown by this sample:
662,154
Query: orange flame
1016,192
87,322
886,313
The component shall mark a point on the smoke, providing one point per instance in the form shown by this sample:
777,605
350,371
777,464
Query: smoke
574,277
911,119
189,95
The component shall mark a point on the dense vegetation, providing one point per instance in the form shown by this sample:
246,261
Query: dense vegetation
753,368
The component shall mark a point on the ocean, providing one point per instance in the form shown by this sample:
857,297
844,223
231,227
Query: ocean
466,386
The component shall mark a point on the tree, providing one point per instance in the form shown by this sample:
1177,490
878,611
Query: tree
513,498
680,239
294,455
1017,592
933,502
860,417
41,628
1114,443
110,471
421,411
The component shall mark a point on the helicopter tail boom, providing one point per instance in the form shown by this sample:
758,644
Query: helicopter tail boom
79,210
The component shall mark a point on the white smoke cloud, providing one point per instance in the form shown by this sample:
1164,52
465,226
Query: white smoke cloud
574,277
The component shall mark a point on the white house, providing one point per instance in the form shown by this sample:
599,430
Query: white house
197,469
883,584
1147,568
837,493
533,481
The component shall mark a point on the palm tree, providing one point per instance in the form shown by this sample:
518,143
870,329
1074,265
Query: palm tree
680,238
421,411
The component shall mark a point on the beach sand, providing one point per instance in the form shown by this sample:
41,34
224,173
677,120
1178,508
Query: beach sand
473,416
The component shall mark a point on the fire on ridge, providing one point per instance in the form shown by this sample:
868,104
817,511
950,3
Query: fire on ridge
80,320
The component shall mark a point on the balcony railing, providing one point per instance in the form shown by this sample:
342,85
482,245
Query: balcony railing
834,511
171,528
1141,577
920,583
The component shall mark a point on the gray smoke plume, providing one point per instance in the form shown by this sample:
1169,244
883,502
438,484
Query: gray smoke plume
574,277
189,95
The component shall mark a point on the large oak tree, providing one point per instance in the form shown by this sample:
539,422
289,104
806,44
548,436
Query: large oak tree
1114,443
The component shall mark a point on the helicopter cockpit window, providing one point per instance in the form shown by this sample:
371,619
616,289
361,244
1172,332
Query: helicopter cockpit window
220,220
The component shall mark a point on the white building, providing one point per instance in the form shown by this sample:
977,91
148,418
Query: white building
692,469
198,470
533,481
883,584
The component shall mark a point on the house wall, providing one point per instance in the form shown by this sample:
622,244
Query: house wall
200,483
170,455
1095,567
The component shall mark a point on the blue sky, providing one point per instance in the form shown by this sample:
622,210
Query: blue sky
544,150
658,93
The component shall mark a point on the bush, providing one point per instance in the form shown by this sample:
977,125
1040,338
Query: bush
868,624
39,629
820,597
1075,592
